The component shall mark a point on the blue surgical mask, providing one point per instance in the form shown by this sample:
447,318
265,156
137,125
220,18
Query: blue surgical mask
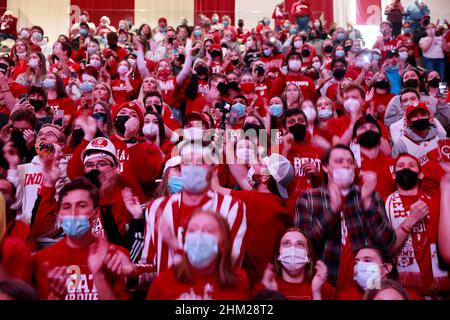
75,227
293,31
84,32
407,30
238,109
86,86
194,178
175,184
49,84
267,52
340,37
37,37
325,114
91,50
340,53
197,33
225,23
201,248
276,110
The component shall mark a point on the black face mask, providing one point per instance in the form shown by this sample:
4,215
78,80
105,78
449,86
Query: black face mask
259,70
215,53
170,40
406,178
411,83
298,131
240,25
223,88
382,84
19,142
250,126
328,49
235,62
181,58
112,45
339,73
434,83
233,85
78,135
37,104
156,107
119,124
369,139
92,176
306,53
347,48
99,116
421,124
304,38
201,70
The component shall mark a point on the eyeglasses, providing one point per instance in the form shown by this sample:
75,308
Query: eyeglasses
98,165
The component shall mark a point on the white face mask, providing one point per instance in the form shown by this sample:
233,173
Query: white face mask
95,63
367,275
293,259
343,177
150,130
316,65
311,114
249,44
295,65
351,105
403,56
193,134
33,63
298,44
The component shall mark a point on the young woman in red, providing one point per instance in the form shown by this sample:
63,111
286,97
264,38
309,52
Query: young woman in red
202,269
292,272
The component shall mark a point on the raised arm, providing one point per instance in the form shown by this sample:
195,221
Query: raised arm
186,71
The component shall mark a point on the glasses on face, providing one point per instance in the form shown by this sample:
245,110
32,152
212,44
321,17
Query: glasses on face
98,165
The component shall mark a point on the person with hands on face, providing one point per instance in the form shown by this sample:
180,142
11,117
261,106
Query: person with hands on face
124,87
294,273
340,216
28,178
74,268
433,50
415,218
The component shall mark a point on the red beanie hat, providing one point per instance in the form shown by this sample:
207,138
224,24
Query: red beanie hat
133,106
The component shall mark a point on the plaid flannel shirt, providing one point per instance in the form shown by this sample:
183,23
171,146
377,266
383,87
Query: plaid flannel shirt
314,215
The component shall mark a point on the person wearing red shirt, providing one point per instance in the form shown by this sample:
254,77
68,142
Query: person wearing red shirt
301,13
203,268
386,43
124,87
64,66
304,157
308,52
58,101
264,190
19,53
294,76
113,49
153,101
366,148
8,27
75,268
279,14
295,274
415,218
198,87
379,96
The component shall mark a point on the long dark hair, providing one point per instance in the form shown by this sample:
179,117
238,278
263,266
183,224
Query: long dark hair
309,268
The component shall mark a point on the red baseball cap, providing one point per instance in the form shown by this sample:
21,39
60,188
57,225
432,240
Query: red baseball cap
162,20
215,47
197,116
416,106
133,106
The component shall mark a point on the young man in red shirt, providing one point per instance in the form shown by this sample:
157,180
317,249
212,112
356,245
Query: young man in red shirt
304,157
75,267
385,43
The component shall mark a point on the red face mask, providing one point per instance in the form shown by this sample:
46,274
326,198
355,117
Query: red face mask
164,72
248,87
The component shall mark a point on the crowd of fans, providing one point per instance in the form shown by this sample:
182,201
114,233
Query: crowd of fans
281,161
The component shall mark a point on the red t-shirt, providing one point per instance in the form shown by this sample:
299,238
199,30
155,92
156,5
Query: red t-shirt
119,90
385,47
433,173
15,258
265,211
168,90
383,166
66,104
60,254
305,84
300,291
167,287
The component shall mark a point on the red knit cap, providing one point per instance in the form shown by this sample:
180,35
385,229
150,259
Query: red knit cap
133,106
